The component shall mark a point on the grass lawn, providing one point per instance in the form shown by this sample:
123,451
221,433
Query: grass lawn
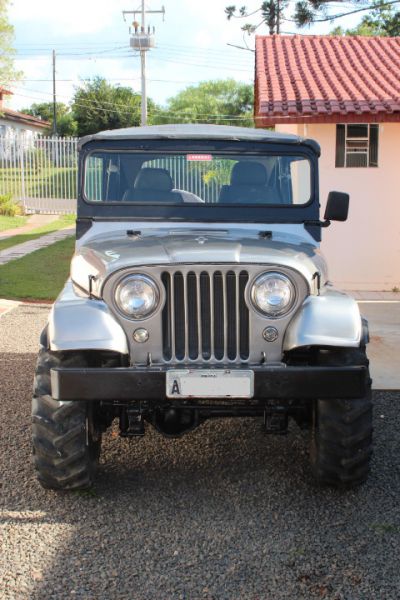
53,182
11,222
37,276
62,222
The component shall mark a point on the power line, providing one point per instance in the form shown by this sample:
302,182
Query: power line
206,66
217,61
160,112
115,45
84,79
204,53
166,58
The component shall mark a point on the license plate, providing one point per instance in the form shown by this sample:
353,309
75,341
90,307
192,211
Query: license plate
210,383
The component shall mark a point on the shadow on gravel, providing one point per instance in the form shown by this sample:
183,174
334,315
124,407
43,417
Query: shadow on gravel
224,512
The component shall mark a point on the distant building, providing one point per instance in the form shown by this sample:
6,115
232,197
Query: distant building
345,93
13,123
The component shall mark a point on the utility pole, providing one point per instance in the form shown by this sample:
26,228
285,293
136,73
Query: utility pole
142,40
143,71
54,95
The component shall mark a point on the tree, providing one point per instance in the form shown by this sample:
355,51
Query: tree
273,13
7,52
98,105
225,102
66,124
383,20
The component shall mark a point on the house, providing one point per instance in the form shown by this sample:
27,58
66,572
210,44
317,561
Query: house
345,93
13,123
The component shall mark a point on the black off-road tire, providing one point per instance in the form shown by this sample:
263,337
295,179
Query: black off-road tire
341,441
66,444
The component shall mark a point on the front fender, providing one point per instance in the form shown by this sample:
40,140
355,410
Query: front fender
331,319
79,323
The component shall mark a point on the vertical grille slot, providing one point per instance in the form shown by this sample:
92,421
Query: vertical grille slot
193,325
244,317
231,297
205,316
179,316
167,322
205,295
218,316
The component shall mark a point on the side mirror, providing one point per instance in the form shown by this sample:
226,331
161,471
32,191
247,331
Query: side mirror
337,208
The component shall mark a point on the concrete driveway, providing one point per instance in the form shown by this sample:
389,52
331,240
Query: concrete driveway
384,348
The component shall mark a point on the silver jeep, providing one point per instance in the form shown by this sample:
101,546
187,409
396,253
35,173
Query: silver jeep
198,291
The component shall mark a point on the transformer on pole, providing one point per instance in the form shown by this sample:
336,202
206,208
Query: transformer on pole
142,40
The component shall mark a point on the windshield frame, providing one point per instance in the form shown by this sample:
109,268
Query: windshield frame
274,213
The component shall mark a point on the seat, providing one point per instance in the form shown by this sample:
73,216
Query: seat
153,185
248,184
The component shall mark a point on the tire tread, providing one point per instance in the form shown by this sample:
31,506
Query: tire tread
61,456
341,446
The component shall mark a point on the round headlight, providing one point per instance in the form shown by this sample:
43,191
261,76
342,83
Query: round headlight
273,294
137,296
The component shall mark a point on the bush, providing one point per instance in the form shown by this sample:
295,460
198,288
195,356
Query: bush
9,208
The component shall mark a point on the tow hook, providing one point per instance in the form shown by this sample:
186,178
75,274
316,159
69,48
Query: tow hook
131,423
276,421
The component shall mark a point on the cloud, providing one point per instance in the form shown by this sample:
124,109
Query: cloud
192,45
70,18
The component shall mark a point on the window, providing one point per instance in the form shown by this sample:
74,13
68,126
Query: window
197,178
357,145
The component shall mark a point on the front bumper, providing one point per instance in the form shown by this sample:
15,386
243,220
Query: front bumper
270,382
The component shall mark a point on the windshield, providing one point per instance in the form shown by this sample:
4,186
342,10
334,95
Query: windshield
197,178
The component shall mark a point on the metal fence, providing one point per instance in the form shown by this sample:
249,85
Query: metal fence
204,179
42,173
39,172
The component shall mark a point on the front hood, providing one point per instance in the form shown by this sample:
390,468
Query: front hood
114,251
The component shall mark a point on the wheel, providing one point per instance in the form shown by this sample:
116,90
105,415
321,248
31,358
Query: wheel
66,443
341,439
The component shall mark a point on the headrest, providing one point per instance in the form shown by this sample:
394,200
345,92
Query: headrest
154,179
249,173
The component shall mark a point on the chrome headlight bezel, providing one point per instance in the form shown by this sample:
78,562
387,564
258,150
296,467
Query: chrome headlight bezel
270,312
137,315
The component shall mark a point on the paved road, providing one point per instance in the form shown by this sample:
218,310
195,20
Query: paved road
224,513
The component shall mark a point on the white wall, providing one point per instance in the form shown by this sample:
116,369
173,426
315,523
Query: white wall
12,127
364,252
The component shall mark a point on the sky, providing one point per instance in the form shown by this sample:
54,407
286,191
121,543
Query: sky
91,38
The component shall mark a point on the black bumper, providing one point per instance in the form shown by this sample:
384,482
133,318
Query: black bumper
279,383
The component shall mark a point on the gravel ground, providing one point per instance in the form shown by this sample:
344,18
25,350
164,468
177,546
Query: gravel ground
224,513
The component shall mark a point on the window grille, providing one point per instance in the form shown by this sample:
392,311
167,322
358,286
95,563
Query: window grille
357,145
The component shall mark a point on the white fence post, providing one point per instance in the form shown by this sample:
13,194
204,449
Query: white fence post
22,164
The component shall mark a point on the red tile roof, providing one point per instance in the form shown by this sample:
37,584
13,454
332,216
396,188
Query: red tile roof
18,117
308,79
22,118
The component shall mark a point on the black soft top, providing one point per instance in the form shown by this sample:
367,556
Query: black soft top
200,132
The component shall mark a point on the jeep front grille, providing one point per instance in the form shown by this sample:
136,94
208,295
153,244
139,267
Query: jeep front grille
205,317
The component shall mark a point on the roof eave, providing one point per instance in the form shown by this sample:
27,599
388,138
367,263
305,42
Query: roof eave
378,117
21,118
